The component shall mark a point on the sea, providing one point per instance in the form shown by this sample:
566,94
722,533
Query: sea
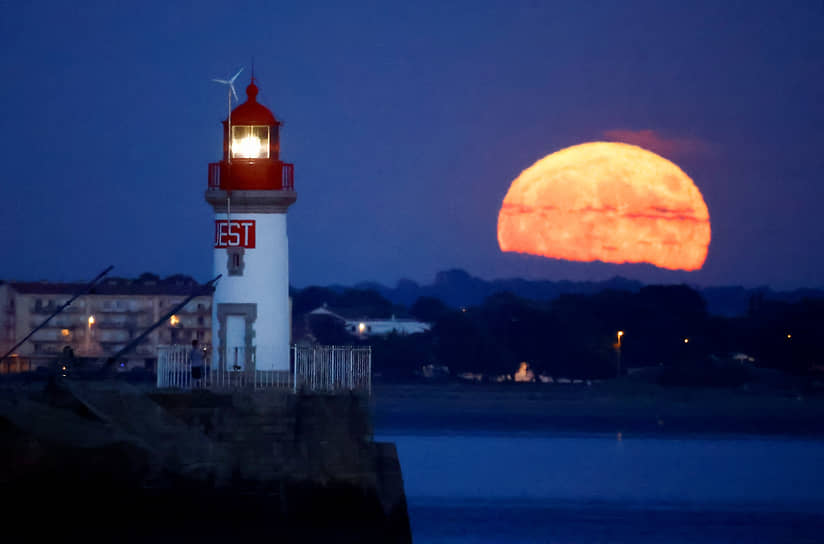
482,486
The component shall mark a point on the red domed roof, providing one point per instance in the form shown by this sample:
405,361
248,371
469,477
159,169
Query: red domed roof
251,112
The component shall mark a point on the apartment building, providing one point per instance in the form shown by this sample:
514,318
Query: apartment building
102,322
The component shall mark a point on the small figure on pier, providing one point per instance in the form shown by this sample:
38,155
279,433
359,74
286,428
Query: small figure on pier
196,360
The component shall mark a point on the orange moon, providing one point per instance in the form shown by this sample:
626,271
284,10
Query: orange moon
606,201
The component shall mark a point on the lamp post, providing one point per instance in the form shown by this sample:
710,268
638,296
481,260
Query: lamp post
618,349
89,335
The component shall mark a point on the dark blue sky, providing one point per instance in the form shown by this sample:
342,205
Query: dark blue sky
406,123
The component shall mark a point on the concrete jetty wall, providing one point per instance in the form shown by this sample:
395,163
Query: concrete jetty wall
105,461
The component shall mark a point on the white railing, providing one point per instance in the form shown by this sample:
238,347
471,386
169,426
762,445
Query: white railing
173,367
332,368
326,369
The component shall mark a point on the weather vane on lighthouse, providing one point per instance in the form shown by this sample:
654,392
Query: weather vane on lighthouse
251,322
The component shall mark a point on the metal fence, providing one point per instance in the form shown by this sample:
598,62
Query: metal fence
332,368
325,369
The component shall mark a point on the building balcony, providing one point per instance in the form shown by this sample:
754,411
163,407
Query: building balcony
261,175
206,311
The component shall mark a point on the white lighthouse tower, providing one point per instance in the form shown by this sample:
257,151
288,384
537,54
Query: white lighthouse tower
250,191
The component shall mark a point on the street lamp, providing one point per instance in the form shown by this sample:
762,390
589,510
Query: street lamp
618,349
89,334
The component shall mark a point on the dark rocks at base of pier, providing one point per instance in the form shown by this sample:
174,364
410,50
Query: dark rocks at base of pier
106,461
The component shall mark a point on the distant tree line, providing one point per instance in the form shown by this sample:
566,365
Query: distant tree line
575,335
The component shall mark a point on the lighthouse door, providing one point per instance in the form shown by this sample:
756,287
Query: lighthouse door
235,342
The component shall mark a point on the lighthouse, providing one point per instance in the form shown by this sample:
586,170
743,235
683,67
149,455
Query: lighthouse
250,191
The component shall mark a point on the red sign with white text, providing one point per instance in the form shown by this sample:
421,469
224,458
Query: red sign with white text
241,233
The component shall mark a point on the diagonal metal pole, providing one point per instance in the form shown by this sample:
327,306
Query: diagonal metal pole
65,305
128,347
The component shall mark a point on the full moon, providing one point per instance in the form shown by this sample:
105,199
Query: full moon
610,202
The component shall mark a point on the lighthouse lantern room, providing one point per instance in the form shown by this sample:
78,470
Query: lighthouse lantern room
250,191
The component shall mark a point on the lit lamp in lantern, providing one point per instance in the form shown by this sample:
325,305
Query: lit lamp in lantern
250,142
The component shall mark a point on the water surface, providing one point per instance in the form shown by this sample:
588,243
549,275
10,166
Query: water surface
531,487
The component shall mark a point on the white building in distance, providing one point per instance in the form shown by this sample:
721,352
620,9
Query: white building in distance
364,327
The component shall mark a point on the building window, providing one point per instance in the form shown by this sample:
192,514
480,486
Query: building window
200,320
235,265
